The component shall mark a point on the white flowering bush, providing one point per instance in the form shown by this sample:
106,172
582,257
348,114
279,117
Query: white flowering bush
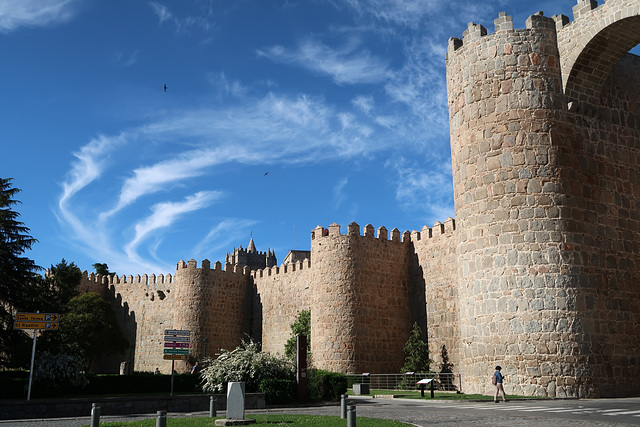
245,364
58,372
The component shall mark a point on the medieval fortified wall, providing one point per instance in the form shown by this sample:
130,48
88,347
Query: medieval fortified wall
540,271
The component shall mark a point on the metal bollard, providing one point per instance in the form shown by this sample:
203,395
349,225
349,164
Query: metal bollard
351,416
161,420
343,406
212,406
95,415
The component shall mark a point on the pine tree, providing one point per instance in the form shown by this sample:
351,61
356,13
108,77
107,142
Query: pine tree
17,272
416,352
446,368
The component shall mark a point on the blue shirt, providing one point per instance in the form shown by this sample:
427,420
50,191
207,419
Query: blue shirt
498,376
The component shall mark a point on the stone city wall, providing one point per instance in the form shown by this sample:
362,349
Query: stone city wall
435,249
282,292
143,306
211,303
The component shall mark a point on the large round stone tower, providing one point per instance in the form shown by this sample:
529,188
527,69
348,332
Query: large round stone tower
517,308
544,269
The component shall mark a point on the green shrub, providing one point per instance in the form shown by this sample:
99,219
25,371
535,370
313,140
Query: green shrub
55,374
245,364
141,383
325,385
277,390
13,384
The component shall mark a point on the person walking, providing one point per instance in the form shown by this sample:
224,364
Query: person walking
497,380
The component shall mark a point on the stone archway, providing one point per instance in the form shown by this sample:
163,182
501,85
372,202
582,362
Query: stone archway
592,45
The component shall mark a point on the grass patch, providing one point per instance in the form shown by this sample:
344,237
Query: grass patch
288,420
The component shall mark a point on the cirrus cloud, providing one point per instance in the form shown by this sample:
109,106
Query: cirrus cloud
15,14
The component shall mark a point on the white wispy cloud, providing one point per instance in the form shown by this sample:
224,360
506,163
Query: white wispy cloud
223,235
397,12
158,177
182,23
427,189
163,215
348,64
190,144
421,86
122,59
364,103
161,11
90,161
227,87
15,14
339,194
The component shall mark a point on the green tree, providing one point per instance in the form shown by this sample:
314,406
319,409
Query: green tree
54,291
301,326
416,352
102,269
89,328
62,285
17,273
446,368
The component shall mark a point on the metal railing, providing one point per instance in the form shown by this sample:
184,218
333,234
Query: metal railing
407,381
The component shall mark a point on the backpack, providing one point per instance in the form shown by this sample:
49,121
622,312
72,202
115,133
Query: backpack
494,379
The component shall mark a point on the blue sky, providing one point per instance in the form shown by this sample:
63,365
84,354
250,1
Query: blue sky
278,116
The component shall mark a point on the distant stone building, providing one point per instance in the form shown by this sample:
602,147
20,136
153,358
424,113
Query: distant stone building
251,258
539,273
296,256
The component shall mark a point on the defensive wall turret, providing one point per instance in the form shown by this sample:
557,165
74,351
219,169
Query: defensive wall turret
541,258
214,304
362,291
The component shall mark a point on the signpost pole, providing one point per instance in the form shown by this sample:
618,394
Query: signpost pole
33,356
172,364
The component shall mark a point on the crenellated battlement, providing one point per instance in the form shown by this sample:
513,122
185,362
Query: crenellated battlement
117,280
502,23
381,233
293,267
192,264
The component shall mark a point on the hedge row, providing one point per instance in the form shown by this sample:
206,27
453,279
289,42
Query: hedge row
15,386
323,386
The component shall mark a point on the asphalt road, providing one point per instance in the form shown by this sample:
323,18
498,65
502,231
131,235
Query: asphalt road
524,413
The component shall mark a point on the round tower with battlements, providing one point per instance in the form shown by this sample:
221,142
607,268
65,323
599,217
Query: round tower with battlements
213,304
547,253
360,311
